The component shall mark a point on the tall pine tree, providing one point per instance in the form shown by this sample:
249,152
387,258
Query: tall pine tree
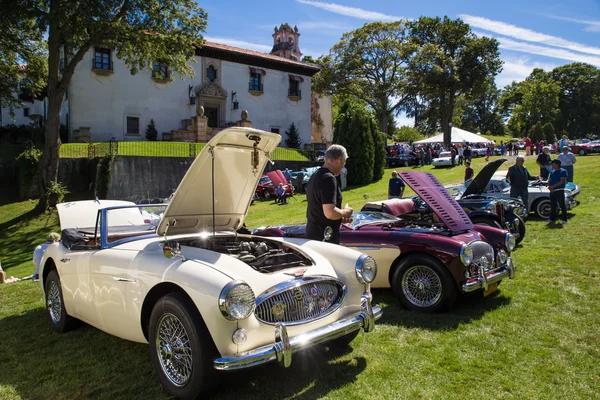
379,152
293,141
353,131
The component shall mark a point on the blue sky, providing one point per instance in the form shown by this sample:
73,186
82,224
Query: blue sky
532,33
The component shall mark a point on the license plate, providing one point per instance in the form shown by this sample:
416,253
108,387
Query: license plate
492,287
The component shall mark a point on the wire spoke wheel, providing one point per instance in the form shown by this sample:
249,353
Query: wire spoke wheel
54,303
422,286
174,350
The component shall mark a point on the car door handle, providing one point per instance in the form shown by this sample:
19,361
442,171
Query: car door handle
121,279
65,260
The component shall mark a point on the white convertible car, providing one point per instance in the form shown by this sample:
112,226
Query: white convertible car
444,160
203,296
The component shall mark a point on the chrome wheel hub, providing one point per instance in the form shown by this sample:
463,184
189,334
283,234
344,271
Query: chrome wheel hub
421,286
54,303
174,350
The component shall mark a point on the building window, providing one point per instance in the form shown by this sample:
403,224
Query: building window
294,90
102,59
275,130
24,94
256,82
160,71
26,112
133,126
211,73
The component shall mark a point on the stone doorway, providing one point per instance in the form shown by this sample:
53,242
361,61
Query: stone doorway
212,113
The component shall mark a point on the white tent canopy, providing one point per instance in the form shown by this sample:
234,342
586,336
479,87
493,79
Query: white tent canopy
458,136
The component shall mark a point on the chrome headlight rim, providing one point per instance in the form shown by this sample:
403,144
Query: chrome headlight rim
368,275
225,301
510,242
466,254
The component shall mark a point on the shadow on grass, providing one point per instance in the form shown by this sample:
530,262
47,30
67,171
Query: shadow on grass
38,363
466,309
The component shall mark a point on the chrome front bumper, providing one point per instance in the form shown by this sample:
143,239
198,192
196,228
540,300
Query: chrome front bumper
284,346
483,280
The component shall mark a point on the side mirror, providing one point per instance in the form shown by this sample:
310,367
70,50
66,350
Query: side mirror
171,249
328,233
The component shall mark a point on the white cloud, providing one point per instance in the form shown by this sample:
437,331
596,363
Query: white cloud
509,44
591,25
353,12
517,69
240,43
527,35
324,25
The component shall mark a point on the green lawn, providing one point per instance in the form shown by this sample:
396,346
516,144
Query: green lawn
537,338
158,149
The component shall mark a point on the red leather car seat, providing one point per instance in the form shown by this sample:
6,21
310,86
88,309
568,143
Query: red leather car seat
398,207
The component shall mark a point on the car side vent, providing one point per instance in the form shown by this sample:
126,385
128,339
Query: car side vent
437,197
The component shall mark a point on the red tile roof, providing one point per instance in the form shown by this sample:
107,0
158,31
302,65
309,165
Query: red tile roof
22,67
230,53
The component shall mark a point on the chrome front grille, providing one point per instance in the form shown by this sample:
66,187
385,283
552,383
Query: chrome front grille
300,301
482,249
500,210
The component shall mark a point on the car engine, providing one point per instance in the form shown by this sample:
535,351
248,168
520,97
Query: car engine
261,254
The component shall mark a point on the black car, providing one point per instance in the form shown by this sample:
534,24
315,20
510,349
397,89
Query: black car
401,160
481,209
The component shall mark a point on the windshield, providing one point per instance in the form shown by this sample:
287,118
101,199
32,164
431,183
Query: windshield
503,184
264,180
132,221
370,217
456,191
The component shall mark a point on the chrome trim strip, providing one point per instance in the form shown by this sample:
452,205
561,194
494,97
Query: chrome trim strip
120,279
282,349
507,271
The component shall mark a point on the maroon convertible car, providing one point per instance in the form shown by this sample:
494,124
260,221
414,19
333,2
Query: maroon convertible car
426,264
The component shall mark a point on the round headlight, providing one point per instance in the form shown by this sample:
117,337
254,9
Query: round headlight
366,269
237,301
510,242
502,257
466,254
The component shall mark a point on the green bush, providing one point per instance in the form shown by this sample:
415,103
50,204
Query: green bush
353,131
549,134
379,152
151,132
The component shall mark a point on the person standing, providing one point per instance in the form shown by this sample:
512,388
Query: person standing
556,184
467,153
527,146
564,141
453,155
281,195
468,173
519,178
300,180
543,160
395,187
567,159
324,197
461,154
287,175
344,178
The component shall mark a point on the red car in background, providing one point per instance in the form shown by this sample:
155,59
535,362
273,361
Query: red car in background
583,147
268,184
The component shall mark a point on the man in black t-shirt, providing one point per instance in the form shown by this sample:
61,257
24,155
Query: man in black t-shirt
324,197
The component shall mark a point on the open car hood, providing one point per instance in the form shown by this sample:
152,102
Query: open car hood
437,197
479,183
235,180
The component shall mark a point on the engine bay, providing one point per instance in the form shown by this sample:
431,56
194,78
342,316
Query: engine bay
261,254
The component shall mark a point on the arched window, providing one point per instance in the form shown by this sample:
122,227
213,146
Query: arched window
211,73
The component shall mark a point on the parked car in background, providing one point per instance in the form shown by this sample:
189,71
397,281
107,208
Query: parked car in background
539,194
443,160
203,296
583,147
426,264
478,152
307,174
269,182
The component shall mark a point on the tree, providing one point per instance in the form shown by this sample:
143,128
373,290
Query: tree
22,53
368,63
408,134
578,99
531,101
140,32
448,60
321,82
293,141
151,132
536,133
352,130
379,153
481,112
549,134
